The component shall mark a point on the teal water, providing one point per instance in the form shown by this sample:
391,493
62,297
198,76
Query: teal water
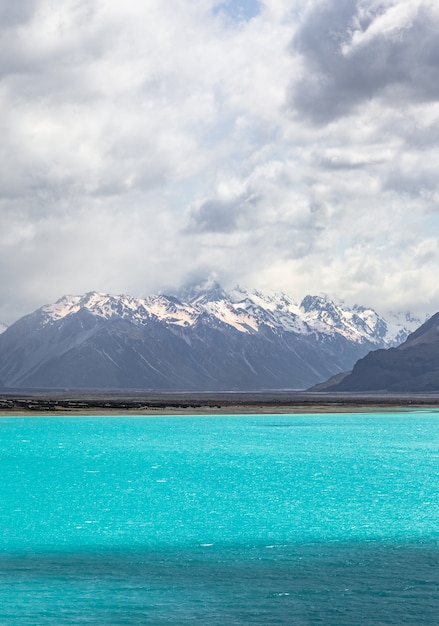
316,519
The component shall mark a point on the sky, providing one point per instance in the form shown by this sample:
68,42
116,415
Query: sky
287,145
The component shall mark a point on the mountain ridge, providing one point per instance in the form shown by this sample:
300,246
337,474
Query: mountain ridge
412,366
198,339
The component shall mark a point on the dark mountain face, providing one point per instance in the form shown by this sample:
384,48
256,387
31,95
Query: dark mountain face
216,341
412,366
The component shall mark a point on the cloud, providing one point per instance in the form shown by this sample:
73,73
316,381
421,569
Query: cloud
357,51
276,144
13,14
220,216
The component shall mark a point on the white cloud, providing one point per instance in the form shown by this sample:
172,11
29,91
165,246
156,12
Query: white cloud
275,144
382,18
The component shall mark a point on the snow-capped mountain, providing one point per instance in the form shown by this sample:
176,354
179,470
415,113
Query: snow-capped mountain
314,314
199,339
3,327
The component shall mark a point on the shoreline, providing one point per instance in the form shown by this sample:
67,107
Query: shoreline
59,403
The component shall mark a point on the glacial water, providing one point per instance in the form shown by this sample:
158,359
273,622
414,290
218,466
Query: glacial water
268,520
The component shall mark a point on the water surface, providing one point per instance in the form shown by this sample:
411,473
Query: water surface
316,519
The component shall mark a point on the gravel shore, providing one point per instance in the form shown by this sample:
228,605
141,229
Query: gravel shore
144,403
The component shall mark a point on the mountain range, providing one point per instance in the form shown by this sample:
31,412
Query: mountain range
412,366
199,339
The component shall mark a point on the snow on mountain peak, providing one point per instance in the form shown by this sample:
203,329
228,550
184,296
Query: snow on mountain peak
199,294
170,309
400,325
62,307
315,303
245,311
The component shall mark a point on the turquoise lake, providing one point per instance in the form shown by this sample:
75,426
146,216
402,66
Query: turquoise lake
232,520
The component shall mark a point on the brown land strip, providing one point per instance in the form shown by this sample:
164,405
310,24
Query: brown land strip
143,403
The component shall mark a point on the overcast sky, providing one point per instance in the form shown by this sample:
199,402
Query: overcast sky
281,144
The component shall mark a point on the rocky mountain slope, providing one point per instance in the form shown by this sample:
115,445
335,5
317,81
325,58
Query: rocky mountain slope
204,339
413,366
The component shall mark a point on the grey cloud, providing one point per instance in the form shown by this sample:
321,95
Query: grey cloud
338,82
43,56
13,13
217,216
342,163
413,183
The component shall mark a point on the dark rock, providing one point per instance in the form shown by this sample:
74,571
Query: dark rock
412,366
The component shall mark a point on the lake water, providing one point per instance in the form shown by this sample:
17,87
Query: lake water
268,520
